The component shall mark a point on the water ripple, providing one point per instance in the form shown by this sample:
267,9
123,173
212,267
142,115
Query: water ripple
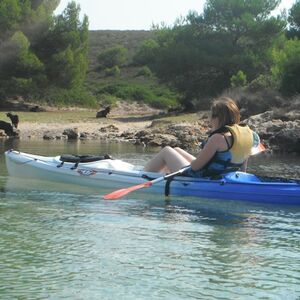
59,245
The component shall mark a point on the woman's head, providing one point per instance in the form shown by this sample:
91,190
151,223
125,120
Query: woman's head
226,110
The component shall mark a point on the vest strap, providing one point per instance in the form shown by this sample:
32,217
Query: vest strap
226,163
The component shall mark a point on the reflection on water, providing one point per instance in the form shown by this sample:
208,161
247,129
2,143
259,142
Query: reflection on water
63,241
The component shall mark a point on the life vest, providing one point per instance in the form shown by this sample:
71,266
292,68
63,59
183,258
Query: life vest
232,158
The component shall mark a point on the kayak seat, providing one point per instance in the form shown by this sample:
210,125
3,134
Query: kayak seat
76,159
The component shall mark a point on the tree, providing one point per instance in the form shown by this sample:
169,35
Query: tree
40,52
286,68
146,52
64,48
294,20
24,15
200,56
21,25
115,56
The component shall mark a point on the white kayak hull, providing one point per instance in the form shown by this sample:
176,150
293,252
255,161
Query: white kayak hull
101,174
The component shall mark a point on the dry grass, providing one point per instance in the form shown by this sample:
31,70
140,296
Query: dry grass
54,117
190,117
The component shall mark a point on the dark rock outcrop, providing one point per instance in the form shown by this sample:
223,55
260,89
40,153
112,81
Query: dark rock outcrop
71,133
278,134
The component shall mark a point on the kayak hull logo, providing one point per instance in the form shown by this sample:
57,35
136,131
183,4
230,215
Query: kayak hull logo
84,172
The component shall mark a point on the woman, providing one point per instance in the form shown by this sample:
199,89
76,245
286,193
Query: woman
226,149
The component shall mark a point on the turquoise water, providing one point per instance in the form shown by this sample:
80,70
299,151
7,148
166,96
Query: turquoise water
65,242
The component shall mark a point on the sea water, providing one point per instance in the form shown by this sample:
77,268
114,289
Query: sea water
62,241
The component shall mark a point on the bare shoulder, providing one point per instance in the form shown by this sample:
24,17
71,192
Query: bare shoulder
216,138
217,141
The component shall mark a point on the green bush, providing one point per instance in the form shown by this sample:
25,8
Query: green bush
163,102
144,71
263,82
114,71
115,56
107,99
146,52
22,86
65,97
154,96
238,80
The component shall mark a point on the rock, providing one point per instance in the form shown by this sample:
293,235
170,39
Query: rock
276,133
156,123
2,133
288,138
48,136
61,137
71,133
293,115
109,128
185,135
36,108
128,135
256,120
280,135
84,135
162,140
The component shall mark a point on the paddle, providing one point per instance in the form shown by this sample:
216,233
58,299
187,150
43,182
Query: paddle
258,149
122,192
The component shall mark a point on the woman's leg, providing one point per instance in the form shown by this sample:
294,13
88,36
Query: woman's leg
189,157
168,160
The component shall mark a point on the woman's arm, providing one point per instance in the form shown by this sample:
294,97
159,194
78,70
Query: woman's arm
213,144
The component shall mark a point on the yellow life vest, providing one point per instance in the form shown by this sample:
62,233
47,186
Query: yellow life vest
242,143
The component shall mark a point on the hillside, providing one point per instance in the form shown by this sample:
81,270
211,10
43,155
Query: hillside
129,85
100,40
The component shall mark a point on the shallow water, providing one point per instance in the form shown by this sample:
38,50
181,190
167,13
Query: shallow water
63,242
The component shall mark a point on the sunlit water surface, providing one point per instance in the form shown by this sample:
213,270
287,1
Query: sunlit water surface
64,242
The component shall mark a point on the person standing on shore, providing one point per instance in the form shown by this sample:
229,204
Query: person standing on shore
226,149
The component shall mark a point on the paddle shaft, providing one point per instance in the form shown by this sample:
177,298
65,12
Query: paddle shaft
122,192
168,176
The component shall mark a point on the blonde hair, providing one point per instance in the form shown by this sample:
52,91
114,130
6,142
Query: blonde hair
226,110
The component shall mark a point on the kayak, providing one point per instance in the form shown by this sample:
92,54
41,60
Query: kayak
105,172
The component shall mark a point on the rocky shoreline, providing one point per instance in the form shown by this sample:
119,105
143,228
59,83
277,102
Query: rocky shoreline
280,133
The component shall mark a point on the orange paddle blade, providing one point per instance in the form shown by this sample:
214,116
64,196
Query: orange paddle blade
122,192
258,149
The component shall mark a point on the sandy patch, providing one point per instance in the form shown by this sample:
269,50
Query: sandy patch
38,130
